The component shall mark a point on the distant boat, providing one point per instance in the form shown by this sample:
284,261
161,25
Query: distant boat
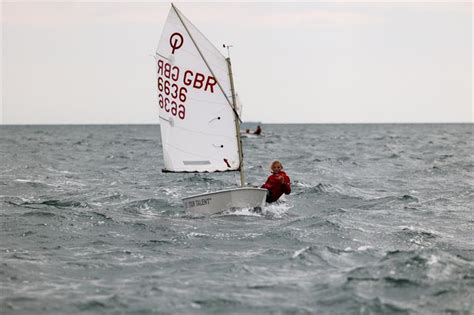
250,133
199,115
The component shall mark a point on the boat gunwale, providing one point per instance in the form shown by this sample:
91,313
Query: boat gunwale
225,190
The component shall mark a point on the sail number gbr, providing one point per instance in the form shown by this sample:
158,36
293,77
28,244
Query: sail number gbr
177,95
173,85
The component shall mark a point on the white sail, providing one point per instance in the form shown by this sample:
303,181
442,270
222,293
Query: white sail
197,120
199,115
238,105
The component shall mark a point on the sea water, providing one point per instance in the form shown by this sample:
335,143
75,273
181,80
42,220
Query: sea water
379,221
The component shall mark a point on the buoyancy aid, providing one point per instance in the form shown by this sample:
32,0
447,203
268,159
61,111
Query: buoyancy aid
275,187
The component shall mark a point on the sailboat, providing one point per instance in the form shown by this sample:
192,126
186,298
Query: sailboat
199,115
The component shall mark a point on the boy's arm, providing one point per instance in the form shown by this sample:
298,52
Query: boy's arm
267,184
287,186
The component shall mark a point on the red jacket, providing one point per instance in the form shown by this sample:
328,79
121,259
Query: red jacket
275,187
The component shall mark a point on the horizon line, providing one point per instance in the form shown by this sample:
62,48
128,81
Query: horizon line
250,122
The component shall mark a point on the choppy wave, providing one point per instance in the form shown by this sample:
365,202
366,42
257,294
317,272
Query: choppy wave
377,222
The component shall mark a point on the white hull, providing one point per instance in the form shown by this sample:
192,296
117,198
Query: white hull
250,135
237,198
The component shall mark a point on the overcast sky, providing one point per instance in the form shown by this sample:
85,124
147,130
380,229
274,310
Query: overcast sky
306,62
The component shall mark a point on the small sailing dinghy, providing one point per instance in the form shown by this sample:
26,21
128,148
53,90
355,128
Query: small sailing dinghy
199,115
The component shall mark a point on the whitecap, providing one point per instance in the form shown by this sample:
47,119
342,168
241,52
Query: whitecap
299,252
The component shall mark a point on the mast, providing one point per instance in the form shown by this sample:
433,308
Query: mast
237,125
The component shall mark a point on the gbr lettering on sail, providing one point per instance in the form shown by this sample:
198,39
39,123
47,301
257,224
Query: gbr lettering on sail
174,82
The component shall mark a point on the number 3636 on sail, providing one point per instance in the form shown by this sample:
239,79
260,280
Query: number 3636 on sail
172,107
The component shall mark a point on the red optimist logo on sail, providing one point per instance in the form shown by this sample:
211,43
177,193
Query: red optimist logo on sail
173,81
176,41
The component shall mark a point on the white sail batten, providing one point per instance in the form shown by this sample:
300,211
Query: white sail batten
197,118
